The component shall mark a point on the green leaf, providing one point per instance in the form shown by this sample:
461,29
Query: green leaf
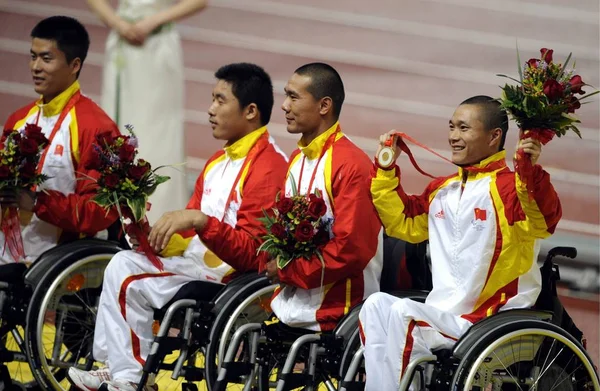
283,261
103,199
318,193
158,179
138,207
564,67
519,64
508,77
293,184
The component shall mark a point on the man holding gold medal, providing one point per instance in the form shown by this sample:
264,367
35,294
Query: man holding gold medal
484,227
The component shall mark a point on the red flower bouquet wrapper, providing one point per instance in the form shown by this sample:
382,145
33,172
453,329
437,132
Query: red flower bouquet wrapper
140,231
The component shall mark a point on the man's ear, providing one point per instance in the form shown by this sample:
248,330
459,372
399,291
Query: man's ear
496,137
251,111
75,66
325,106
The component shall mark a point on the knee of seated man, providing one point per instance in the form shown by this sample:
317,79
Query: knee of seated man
119,266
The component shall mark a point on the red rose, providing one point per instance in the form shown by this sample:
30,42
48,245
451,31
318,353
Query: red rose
533,63
105,138
126,153
304,231
137,172
278,231
553,89
111,181
28,171
574,104
4,172
576,83
316,207
284,205
546,55
28,147
35,132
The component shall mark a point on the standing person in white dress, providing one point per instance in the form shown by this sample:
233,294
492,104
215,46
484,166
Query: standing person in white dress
143,84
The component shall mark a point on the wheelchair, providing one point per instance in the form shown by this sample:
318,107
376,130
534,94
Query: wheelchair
47,312
202,312
286,358
521,349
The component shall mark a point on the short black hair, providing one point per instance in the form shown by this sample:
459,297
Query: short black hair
250,84
325,81
70,36
493,115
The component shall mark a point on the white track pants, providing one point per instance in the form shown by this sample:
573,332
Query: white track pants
396,331
131,290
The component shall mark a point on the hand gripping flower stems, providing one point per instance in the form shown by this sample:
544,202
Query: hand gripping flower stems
20,155
543,102
296,228
126,183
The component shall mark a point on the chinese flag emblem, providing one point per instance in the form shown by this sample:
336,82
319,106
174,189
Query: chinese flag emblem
480,214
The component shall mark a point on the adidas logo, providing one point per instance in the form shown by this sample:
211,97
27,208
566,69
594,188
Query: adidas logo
440,214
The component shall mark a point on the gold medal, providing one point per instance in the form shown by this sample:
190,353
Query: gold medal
385,157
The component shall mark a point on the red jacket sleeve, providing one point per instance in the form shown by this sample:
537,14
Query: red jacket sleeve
237,246
356,227
77,212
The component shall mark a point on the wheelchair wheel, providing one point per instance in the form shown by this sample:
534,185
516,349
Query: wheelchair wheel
250,305
62,313
534,355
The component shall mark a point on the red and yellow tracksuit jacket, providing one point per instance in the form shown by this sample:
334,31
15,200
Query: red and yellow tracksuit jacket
483,229
353,257
230,239
64,209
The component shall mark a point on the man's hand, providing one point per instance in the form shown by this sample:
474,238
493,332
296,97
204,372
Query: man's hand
532,147
382,141
26,199
271,272
173,222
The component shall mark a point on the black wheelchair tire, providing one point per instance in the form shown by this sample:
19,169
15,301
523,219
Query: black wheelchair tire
464,366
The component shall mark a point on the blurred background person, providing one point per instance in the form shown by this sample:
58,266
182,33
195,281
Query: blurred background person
143,84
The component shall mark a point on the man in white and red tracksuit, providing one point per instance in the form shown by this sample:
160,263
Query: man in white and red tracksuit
215,235
60,210
484,226
328,161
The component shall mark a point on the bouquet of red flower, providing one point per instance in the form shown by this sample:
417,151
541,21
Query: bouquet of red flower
126,183
543,101
545,97
19,158
296,228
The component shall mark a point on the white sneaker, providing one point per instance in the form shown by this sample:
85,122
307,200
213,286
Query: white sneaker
123,385
88,380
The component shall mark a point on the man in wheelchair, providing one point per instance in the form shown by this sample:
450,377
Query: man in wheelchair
60,209
483,226
328,161
216,234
